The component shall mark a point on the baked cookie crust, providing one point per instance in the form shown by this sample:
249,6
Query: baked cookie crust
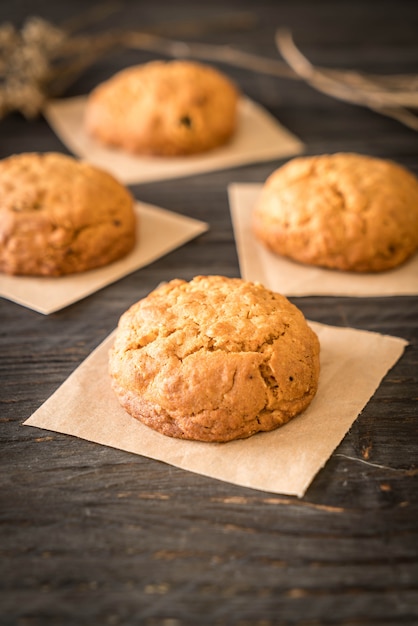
163,108
61,216
214,359
342,211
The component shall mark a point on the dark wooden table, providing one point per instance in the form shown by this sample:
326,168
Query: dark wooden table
93,535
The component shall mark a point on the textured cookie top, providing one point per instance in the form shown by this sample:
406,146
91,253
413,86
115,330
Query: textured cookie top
214,359
59,215
164,108
342,211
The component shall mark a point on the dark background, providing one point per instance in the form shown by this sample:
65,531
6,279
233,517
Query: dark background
93,535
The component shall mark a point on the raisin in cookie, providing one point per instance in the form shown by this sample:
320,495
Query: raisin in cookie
61,216
340,211
214,359
163,108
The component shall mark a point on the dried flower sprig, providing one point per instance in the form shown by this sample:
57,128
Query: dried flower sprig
41,60
25,65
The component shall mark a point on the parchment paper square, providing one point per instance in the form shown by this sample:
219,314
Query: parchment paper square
294,279
158,232
259,137
353,363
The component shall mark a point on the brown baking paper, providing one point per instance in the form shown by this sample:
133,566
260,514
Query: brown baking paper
158,232
353,363
294,279
259,137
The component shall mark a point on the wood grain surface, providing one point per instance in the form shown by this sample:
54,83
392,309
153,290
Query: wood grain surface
92,535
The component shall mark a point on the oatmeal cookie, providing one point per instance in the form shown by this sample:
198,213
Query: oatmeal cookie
163,108
342,211
61,216
214,359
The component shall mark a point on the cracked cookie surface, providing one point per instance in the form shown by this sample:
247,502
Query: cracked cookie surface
342,211
214,359
163,108
61,216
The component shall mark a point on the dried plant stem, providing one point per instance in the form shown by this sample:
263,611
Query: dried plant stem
388,97
62,58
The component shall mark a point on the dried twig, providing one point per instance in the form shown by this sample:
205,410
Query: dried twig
42,60
389,96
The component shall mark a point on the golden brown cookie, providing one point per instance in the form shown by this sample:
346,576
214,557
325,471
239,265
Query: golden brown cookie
61,216
340,211
214,359
163,108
